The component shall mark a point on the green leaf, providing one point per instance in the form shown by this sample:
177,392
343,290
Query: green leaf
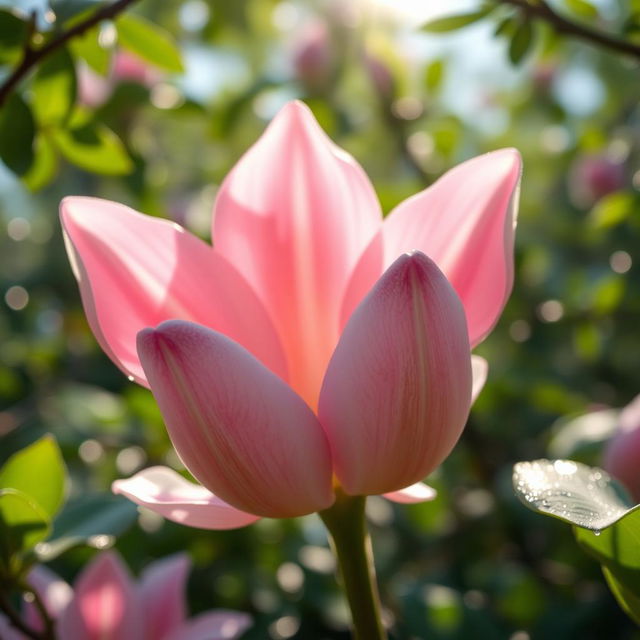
13,33
92,521
571,491
521,42
434,75
582,8
54,89
452,23
22,525
17,131
612,210
39,472
87,46
95,148
627,599
149,41
45,164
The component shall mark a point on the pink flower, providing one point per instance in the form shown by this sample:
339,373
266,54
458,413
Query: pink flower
330,352
622,453
95,89
107,605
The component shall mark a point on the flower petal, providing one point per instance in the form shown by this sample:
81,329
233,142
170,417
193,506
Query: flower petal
479,371
398,388
54,592
418,492
161,591
465,223
213,625
166,492
135,271
105,604
291,201
240,430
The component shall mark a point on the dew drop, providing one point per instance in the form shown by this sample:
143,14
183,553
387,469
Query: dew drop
596,532
130,378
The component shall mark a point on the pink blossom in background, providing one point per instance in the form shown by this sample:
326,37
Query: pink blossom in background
311,306
94,89
106,604
594,176
622,453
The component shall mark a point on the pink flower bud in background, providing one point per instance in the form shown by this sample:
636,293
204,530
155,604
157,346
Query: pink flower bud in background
594,176
622,454
380,75
94,89
313,58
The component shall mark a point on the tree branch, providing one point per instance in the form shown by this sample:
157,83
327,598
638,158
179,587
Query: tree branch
31,56
541,10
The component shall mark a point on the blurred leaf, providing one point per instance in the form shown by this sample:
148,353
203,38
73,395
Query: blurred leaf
17,131
571,491
92,521
434,75
506,27
95,148
13,33
582,8
617,548
22,525
521,42
54,89
611,210
87,46
65,9
627,599
573,435
39,472
149,41
44,166
452,23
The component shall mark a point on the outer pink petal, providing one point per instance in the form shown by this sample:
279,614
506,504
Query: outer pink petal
418,492
135,271
479,371
293,216
162,595
166,492
105,604
240,430
213,625
465,223
54,592
397,391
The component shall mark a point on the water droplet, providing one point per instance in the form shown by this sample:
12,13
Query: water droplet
130,378
596,532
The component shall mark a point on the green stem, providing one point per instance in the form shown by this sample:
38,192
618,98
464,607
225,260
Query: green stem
346,523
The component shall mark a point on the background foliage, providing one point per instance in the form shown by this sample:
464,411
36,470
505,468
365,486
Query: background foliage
408,104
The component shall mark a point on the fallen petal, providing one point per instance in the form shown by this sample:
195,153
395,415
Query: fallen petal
418,492
166,492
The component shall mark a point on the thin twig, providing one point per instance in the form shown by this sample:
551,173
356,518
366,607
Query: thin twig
31,56
541,10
